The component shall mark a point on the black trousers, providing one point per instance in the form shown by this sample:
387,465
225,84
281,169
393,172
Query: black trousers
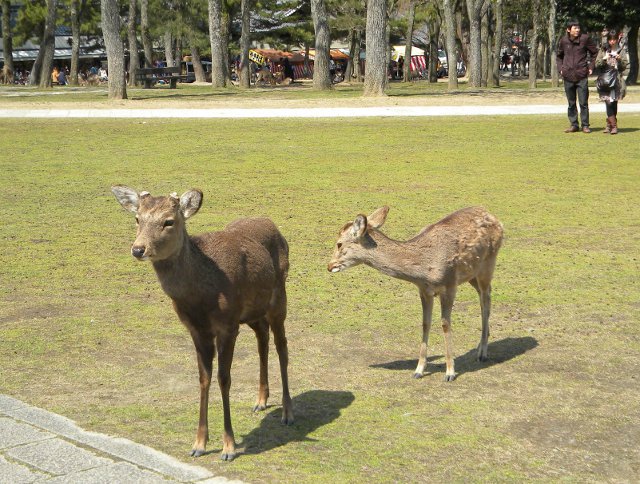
578,91
612,108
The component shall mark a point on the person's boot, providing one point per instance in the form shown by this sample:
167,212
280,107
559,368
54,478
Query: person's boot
614,125
607,130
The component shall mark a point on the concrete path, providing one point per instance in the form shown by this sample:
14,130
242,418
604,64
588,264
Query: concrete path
346,112
40,446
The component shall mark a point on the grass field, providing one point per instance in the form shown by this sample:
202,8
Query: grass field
86,331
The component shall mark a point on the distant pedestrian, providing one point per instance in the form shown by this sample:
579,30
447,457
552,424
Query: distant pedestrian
62,78
576,58
613,60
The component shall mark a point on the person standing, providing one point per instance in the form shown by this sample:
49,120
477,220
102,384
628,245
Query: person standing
575,58
613,60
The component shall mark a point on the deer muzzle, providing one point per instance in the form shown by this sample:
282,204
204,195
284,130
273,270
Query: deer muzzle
138,252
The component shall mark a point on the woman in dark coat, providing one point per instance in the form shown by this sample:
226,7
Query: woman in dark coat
613,58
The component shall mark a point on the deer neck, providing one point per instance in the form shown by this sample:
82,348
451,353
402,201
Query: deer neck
392,257
175,270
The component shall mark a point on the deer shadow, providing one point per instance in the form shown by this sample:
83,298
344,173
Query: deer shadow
498,351
312,409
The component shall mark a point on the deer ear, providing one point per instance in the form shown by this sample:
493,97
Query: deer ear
377,218
190,202
127,197
359,226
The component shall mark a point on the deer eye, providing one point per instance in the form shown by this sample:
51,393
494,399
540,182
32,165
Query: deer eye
168,223
137,221
339,245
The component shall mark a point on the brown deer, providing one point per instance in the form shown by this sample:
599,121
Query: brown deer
461,247
216,281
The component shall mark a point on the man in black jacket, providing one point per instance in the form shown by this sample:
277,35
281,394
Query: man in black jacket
576,59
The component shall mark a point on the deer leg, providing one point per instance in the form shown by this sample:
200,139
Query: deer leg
485,305
261,329
276,321
205,351
225,343
427,310
446,303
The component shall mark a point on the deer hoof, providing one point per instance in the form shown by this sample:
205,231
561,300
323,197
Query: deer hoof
197,452
449,377
483,358
286,420
259,407
417,376
227,456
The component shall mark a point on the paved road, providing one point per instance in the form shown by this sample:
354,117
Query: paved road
347,112
40,446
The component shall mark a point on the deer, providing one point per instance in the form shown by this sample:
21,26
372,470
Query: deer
462,247
217,281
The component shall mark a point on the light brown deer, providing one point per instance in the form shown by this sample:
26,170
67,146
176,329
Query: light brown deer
216,281
461,247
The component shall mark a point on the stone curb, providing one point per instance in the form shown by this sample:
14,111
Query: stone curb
36,444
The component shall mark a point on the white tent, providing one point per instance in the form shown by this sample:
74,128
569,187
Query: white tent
398,51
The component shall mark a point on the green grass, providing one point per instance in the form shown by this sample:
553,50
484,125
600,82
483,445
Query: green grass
87,332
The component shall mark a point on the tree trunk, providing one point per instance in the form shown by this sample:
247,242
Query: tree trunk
497,45
307,63
375,73
144,33
134,57
198,70
484,45
48,44
215,37
168,48
225,28
406,68
245,43
358,76
348,70
432,57
553,44
474,8
632,48
450,41
7,43
533,45
75,42
115,49
321,71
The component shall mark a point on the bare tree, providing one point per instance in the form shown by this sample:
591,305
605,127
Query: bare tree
551,32
48,44
450,41
411,16
169,51
115,49
375,74
144,33
321,75
75,41
497,44
245,43
7,43
218,78
533,51
134,57
474,11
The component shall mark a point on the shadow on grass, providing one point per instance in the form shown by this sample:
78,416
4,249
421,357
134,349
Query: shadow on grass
312,410
499,352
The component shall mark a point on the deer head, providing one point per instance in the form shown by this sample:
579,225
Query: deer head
354,241
161,229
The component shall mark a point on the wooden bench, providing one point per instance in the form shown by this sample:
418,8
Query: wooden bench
151,75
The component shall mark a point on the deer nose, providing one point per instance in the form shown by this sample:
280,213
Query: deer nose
137,252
